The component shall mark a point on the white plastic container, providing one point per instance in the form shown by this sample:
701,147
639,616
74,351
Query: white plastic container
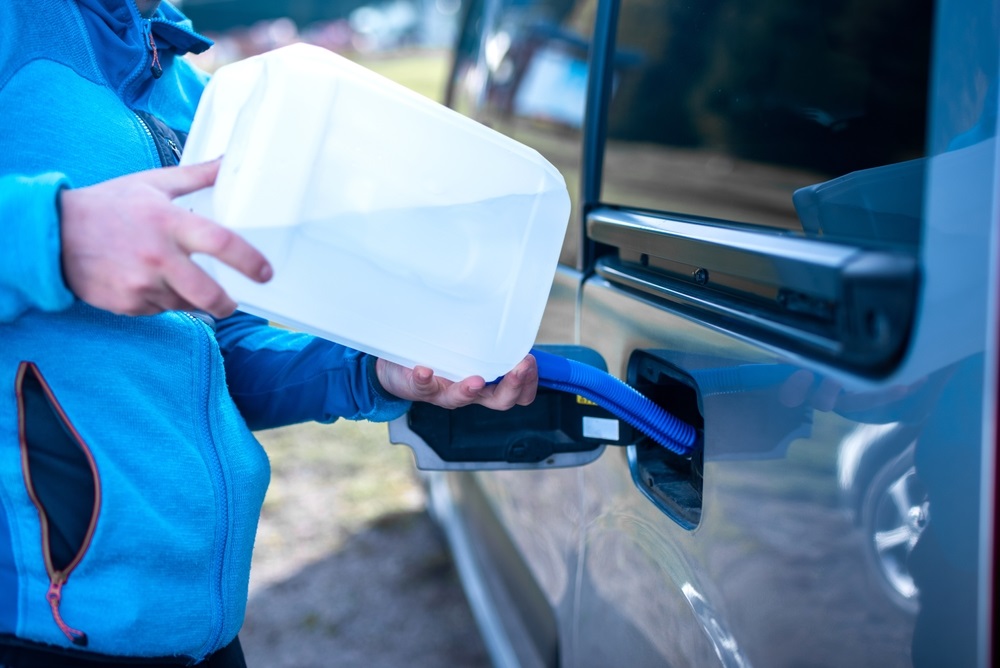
394,224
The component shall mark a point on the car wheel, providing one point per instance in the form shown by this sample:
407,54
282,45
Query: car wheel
894,514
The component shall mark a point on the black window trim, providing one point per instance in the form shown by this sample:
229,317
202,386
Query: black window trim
595,123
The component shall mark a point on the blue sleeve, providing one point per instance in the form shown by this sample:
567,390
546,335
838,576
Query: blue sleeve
278,377
31,251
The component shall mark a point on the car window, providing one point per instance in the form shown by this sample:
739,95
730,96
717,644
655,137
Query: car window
806,117
526,76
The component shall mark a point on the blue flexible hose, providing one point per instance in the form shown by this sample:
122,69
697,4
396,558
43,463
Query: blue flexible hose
559,373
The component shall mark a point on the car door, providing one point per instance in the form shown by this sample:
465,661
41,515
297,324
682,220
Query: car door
784,231
794,223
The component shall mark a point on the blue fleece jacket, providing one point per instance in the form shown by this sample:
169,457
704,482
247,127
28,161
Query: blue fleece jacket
155,413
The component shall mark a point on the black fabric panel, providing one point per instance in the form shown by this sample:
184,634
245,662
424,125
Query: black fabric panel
60,474
169,142
17,653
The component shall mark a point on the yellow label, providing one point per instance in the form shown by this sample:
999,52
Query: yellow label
585,401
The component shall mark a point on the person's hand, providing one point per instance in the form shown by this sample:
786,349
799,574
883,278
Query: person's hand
516,388
126,247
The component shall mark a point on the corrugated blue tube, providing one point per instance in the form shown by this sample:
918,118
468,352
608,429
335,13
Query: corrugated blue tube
620,399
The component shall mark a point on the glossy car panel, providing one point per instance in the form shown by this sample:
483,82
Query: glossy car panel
839,511
777,548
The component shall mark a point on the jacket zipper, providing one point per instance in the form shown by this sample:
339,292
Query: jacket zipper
154,66
149,135
151,56
57,578
147,32
147,129
174,148
151,48
123,90
218,561
126,85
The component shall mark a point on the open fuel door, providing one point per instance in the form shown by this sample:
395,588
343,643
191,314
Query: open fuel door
558,429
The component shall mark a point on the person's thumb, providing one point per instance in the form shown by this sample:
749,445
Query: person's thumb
177,181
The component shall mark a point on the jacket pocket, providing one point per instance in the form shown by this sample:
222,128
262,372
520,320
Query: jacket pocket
62,481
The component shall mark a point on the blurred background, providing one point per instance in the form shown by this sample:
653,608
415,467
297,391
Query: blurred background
244,28
348,568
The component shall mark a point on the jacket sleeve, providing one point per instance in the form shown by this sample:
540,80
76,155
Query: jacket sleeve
278,377
30,255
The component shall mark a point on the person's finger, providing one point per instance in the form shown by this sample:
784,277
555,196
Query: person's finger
423,376
529,381
524,384
516,388
465,392
177,181
422,381
420,384
196,289
503,395
164,300
195,234
448,394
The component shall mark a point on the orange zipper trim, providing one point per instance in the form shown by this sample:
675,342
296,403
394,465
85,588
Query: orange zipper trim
57,578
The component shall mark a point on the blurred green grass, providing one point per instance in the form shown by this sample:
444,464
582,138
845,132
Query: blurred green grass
327,482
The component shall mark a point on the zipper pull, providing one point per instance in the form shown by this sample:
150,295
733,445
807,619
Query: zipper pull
154,66
174,148
54,597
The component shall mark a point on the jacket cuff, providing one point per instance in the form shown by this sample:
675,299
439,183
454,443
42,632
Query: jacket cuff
385,406
31,272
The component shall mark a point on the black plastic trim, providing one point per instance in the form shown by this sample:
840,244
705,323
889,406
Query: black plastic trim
850,306
596,116
672,482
